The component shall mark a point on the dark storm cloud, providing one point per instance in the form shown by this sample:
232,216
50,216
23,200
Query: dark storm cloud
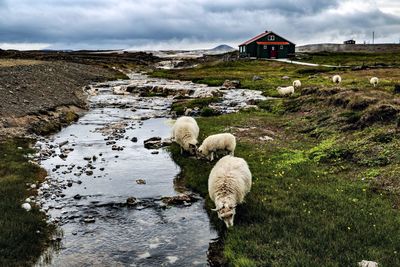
283,6
112,23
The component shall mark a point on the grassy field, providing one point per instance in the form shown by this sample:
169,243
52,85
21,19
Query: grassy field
325,189
22,234
352,59
272,74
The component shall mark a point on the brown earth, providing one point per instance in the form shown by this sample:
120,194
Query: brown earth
32,90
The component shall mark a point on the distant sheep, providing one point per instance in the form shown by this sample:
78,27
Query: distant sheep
213,143
297,84
284,91
374,81
185,133
337,79
228,184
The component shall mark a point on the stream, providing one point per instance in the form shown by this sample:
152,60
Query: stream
105,190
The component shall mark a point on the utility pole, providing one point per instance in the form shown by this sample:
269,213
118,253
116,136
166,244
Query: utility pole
373,37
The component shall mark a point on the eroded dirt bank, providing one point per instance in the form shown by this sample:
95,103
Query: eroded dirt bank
33,91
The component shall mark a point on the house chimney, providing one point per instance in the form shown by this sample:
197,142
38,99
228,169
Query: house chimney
266,30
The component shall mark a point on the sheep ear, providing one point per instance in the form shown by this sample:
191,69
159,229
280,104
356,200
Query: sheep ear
214,209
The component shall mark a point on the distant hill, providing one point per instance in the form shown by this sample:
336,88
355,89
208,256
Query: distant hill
223,48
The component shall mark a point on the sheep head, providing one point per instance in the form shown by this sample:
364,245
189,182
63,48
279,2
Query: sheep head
226,213
192,149
200,152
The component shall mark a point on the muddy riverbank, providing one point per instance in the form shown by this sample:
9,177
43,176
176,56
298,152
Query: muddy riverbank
36,92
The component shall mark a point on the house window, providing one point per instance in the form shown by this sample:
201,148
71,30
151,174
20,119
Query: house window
281,47
244,49
241,49
271,37
265,46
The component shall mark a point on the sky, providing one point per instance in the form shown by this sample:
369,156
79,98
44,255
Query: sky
191,24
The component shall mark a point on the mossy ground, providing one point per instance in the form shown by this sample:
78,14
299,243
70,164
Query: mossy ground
272,73
325,190
23,234
202,104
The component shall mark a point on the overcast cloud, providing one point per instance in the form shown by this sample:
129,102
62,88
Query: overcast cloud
169,24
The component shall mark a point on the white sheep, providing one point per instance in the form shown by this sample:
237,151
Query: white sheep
26,206
228,184
213,143
337,79
297,84
185,133
284,91
374,81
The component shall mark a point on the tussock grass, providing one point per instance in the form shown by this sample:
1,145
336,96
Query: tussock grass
308,205
20,242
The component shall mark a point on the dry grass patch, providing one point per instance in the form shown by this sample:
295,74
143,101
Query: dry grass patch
18,62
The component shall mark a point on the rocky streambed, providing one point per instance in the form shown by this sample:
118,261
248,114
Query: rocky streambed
112,189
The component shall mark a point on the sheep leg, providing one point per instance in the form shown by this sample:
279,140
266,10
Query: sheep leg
232,153
181,151
212,156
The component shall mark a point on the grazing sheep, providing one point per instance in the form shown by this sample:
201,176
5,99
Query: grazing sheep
337,79
284,91
297,84
185,133
228,184
223,141
374,81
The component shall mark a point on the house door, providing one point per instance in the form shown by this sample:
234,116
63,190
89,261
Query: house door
274,52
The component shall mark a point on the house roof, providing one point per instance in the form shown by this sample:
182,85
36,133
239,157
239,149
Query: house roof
255,38
272,43
262,35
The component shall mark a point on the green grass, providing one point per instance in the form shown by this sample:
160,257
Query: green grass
201,103
20,243
352,59
272,73
309,205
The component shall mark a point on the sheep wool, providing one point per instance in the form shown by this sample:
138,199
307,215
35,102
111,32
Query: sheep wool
284,91
337,79
213,143
228,184
26,206
374,81
185,133
297,84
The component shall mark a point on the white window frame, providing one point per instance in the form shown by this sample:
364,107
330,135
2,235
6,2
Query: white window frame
244,49
281,47
271,37
265,47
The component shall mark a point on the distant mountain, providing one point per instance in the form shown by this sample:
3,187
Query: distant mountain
223,48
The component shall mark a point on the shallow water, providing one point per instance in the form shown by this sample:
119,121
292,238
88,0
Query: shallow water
95,166
148,234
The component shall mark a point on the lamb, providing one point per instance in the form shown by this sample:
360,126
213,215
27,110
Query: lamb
228,184
337,79
374,81
284,91
185,133
223,141
297,84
